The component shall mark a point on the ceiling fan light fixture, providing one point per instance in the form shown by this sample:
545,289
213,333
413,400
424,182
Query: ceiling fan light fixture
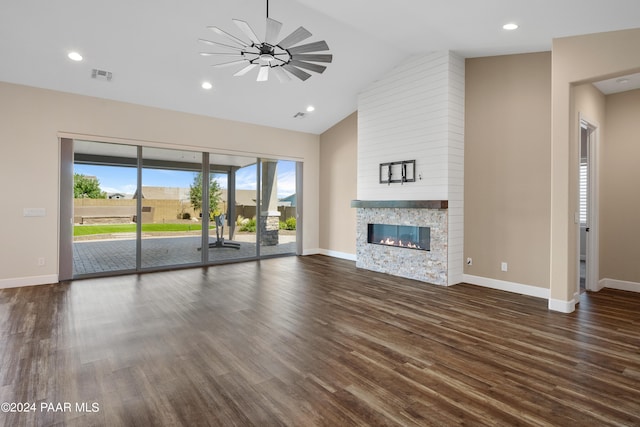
267,57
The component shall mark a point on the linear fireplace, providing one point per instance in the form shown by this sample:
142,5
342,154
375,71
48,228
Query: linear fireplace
402,236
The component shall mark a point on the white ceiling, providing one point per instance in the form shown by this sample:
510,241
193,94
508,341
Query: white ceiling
151,47
619,84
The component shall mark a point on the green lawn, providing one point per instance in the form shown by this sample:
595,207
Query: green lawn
85,230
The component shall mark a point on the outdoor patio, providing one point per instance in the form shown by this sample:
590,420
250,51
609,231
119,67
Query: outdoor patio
99,256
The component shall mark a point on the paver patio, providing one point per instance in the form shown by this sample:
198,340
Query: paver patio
98,256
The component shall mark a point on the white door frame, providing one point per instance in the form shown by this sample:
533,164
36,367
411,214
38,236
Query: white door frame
593,241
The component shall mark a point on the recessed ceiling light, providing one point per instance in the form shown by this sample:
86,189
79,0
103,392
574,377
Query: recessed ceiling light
74,56
206,85
310,108
510,26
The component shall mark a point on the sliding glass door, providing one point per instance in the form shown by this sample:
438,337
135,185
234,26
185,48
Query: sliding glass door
145,208
233,208
104,211
277,213
171,196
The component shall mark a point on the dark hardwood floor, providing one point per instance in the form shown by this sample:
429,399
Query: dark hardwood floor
307,341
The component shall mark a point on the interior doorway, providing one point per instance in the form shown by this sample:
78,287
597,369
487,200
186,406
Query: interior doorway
588,211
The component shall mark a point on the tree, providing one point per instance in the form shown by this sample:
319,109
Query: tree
87,187
215,195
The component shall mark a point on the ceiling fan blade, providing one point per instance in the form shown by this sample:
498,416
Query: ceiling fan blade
220,53
246,29
311,47
315,57
209,42
280,74
245,70
226,64
273,29
279,61
263,74
302,75
222,33
309,66
255,55
296,37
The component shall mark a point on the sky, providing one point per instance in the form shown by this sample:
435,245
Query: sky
115,179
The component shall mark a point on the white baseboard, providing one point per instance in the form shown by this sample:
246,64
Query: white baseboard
28,281
518,288
599,285
562,306
619,284
336,254
306,252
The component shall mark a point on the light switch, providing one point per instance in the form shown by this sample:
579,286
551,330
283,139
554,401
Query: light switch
34,212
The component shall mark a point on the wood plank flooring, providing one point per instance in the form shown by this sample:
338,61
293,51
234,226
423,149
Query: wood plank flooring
309,341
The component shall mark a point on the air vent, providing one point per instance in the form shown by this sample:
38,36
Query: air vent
101,75
299,115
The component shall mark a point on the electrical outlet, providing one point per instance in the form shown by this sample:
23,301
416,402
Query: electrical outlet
504,266
40,261
469,261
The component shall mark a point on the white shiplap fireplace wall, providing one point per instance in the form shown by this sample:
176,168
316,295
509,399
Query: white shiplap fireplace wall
417,112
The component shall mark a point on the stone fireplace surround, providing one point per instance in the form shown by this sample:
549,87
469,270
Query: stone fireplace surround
426,266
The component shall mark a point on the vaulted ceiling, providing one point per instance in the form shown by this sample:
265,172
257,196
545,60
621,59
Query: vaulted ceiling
151,47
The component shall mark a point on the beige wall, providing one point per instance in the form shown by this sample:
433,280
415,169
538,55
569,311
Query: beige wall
507,167
32,120
338,182
588,103
619,194
576,60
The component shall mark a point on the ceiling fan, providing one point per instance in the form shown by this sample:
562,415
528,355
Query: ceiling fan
271,56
